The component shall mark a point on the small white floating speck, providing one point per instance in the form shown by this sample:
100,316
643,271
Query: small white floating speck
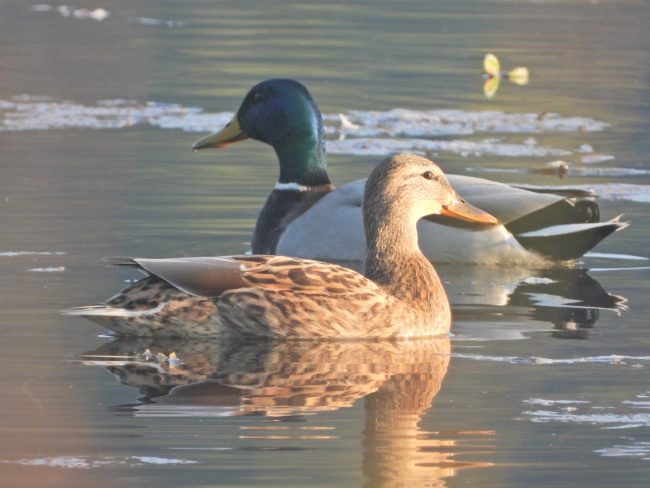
595,158
173,360
50,269
12,254
538,280
548,402
41,7
156,22
161,460
99,14
64,10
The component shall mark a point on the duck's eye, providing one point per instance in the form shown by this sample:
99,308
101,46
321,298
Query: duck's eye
429,175
258,97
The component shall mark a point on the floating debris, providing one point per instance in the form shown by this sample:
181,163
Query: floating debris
548,403
156,22
399,122
86,462
161,460
638,449
558,167
382,147
621,415
611,359
173,360
11,254
358,132
97,14
595,158
51,269
621,191
493,75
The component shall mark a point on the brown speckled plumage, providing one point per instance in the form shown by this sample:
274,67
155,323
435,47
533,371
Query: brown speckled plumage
277,296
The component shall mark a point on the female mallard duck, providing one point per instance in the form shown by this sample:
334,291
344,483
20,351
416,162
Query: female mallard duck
304,216
275,296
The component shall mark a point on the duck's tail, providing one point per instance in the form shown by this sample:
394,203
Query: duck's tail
568,241
150,306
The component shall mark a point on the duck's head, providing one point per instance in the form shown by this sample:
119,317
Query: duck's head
405,188
281,113
272,112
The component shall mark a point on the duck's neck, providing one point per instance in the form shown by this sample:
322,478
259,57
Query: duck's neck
394,261
302,159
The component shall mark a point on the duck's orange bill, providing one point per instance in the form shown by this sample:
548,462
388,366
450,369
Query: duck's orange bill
230,134
462,210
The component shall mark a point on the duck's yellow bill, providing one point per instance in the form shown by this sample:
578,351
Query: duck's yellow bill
230,134
462,210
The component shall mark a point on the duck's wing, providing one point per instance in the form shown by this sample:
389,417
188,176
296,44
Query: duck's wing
201,276
306,276
569,241
507,203
212,276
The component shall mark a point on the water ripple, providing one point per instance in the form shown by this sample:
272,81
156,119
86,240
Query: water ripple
86,462
356,132
613,359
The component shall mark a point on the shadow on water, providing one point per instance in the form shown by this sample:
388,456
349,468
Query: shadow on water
291,380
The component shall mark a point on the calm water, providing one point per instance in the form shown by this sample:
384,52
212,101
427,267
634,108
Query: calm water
545,380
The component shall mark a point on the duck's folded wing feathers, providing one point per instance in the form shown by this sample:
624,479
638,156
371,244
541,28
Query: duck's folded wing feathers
212,276
507,203
201,276
306,276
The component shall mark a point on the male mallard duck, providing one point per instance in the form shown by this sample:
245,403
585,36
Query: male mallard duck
304,216
275,296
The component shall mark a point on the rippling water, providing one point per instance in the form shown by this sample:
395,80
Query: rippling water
544,380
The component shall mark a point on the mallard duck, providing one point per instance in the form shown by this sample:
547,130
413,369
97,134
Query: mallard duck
276,296
305,216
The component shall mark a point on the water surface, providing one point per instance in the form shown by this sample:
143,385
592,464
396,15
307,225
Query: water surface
544,380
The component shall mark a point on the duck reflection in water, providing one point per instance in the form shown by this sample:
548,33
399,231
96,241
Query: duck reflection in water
397,380
568,298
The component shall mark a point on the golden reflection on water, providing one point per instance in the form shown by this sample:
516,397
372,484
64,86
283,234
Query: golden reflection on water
397,381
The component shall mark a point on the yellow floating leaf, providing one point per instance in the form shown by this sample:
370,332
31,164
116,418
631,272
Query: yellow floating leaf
491,86
491,65
519,75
